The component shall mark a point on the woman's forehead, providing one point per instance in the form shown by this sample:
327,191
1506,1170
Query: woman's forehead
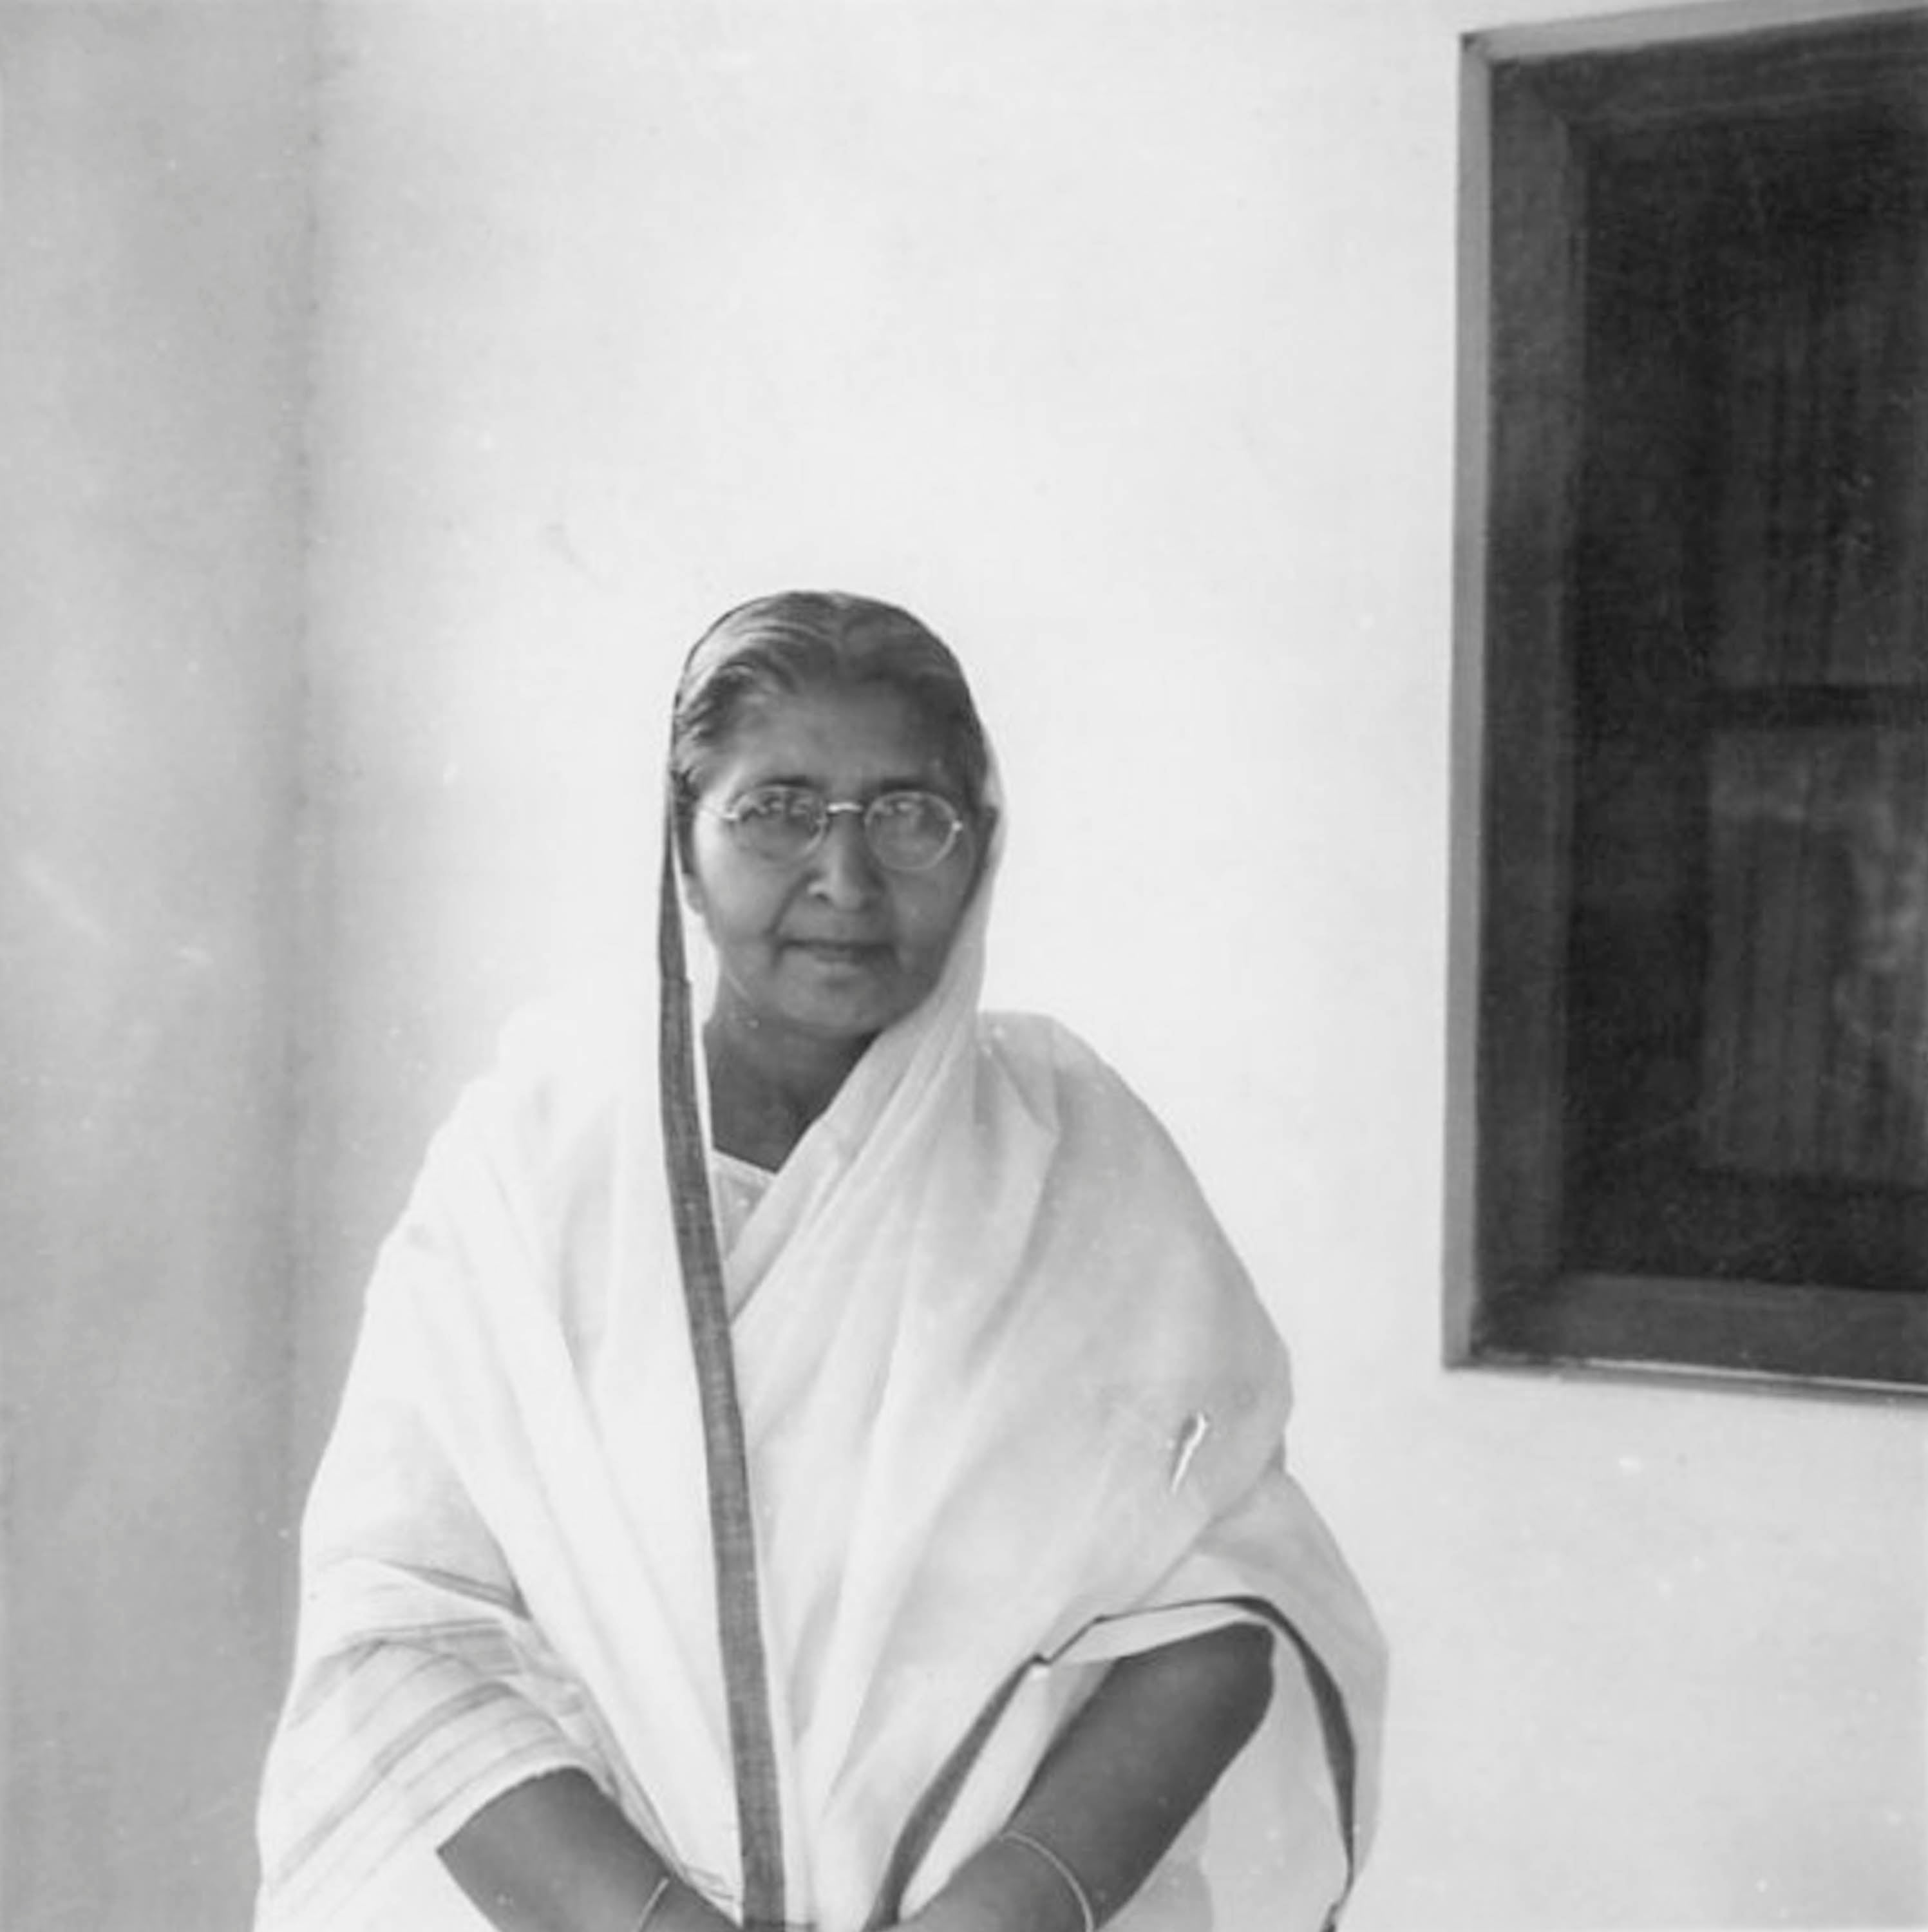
834,736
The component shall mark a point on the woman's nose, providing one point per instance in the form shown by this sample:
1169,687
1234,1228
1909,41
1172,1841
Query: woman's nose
844,873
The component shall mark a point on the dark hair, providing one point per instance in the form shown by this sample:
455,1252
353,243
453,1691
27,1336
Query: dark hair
779,646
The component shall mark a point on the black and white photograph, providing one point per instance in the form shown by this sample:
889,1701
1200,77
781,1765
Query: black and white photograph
965,966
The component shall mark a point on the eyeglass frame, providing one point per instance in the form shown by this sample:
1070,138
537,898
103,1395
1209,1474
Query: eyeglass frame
827,808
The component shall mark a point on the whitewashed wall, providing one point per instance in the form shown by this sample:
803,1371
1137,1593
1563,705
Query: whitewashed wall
1118,340
152,293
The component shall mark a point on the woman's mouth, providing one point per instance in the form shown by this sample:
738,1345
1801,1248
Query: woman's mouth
838,952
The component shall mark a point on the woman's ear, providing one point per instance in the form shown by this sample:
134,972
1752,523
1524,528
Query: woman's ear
984,832
683,832
687,882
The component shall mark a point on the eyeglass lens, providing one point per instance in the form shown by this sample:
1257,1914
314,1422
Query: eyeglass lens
906,831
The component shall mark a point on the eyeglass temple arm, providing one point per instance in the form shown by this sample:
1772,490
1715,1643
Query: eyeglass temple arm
831,807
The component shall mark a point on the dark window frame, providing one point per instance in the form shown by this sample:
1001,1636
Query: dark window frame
1537,105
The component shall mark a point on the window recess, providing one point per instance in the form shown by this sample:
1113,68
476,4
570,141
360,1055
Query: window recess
1690,1095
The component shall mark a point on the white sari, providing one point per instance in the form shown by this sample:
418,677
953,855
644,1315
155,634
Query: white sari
1012,1409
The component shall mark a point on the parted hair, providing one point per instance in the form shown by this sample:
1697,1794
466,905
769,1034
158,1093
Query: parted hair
779,646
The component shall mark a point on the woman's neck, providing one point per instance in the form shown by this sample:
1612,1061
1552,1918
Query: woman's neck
767,1085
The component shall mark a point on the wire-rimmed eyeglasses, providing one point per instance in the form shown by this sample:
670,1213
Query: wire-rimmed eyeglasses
906,831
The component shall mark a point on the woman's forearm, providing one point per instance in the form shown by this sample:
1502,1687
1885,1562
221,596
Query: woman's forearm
1132,1768
554,1855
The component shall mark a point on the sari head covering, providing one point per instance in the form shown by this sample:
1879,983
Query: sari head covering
775,647
1009,1409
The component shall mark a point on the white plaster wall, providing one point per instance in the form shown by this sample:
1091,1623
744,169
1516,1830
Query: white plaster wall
1118,341
1117,338
152,283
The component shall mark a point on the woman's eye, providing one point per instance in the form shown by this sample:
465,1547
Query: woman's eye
920,813
778,807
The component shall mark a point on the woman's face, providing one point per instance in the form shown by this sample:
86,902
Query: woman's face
832,948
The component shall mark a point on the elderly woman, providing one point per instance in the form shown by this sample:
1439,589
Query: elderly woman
826,1472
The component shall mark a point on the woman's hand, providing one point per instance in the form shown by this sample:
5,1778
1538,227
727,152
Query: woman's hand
1000,1889
1114,1792
556,1855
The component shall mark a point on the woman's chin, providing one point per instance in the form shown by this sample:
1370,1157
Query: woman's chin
857,1019
844,991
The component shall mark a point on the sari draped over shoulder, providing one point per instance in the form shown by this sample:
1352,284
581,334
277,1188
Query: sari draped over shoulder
1012,1410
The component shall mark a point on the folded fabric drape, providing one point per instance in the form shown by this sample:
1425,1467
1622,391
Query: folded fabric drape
732,1533
1011,1409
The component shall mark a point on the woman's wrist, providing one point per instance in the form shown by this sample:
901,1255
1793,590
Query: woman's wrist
682,1908
556,1852
1087,1916
1007,1885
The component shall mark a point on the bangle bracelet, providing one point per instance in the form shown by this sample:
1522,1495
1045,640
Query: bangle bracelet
1063,1870
655,1899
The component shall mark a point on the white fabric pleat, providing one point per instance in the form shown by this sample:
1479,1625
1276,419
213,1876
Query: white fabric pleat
981,1312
